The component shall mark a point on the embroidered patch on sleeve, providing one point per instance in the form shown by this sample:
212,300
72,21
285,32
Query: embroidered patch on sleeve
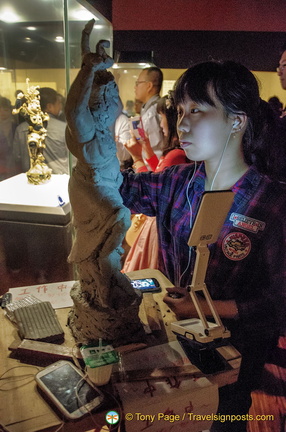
247,223
236,246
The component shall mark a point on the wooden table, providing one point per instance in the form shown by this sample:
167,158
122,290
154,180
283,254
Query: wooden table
22,409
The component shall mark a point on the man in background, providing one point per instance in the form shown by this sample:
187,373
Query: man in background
56,152
281,70
147,91
281,120
122,135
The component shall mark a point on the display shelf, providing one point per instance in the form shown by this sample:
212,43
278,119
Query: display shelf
25,202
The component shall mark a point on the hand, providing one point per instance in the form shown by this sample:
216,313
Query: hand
179,300
100,57
146,147
134,147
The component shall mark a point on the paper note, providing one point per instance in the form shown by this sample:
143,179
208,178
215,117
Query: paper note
170,405
57,293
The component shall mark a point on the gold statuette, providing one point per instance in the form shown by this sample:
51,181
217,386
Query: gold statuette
28,105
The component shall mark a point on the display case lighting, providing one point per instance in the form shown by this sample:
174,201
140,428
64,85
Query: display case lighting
127,66
9,15
59,39
83,15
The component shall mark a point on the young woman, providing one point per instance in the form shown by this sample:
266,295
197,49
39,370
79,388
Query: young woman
144,250
223,122
172,153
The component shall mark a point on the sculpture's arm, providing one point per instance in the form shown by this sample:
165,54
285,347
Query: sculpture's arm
79,118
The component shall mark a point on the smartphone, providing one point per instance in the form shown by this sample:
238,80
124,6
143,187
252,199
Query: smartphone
67,388
146,285
136,126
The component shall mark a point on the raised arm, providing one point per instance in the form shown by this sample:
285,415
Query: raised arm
80,120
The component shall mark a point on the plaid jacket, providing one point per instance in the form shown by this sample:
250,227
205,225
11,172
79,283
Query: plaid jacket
248,261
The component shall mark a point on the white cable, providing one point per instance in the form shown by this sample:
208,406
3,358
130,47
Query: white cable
190,222
187,194
188,199
220,161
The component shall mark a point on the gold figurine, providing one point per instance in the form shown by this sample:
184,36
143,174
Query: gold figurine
28,105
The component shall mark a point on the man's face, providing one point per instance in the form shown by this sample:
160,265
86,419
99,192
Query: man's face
281,70
141,87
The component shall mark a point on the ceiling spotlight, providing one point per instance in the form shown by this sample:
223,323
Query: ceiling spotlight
83,15
59,39
9,15
31,28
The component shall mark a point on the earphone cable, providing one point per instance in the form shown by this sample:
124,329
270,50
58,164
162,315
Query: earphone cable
220,161
190,222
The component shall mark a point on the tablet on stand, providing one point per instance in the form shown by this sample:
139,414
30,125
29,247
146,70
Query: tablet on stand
199,337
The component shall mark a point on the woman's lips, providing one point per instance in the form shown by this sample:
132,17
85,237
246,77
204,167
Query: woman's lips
185,144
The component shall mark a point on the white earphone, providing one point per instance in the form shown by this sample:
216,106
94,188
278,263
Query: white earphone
236,123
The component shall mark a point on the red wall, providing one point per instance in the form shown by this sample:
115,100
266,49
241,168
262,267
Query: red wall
223,15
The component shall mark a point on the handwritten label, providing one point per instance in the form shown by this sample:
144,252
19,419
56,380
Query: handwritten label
57,293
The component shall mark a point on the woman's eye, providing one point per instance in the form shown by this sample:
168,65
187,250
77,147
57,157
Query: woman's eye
194,110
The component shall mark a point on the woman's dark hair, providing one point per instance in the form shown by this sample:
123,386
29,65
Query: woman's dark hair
236,88
166,106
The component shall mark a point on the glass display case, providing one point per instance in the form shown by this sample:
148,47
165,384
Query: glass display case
39,41
35,229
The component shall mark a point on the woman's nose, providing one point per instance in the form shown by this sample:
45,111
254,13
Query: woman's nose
182,125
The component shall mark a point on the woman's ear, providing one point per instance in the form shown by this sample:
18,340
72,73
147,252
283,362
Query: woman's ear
239,122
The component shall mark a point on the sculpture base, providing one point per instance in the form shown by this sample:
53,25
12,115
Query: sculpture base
89,323
38,176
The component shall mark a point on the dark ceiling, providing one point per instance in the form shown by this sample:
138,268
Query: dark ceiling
103,6
21,48
258,51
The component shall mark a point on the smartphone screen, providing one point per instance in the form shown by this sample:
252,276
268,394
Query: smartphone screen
146,285
68,387
137,127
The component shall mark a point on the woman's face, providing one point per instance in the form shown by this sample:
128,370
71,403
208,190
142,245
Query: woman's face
164,124
203,130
